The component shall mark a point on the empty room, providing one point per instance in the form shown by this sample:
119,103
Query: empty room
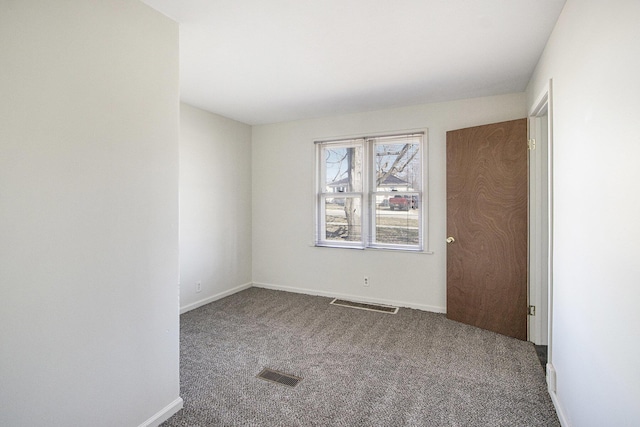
336,213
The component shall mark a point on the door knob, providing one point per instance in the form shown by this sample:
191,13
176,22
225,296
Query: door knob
450,239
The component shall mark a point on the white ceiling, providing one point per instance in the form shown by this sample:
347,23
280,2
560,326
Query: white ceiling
266,61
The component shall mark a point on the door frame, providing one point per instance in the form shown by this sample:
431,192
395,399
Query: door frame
541,219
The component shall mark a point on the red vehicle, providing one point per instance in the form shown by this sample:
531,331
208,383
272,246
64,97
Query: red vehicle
402,203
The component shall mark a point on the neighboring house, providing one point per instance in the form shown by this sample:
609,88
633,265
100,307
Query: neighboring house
391,183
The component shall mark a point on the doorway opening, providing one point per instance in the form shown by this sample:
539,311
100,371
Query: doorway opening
541,222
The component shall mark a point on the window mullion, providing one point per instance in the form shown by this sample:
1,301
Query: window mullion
365,193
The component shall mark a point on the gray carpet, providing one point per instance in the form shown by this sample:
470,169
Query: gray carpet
360,368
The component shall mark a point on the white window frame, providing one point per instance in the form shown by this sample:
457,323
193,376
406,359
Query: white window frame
322,194
368,193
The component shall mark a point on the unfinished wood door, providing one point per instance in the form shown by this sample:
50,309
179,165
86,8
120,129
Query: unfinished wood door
487,221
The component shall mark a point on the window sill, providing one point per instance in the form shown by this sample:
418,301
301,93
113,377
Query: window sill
410,251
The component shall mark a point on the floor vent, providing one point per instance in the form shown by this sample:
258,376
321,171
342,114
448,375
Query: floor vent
364,306
279,377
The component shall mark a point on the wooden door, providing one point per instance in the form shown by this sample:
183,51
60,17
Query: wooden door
487,218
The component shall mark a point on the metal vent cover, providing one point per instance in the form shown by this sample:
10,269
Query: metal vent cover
279,377
365,306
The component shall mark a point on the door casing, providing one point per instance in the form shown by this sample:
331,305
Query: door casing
541,219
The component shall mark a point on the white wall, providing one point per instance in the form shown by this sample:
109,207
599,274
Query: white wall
593,57
88,213
283,205
215,206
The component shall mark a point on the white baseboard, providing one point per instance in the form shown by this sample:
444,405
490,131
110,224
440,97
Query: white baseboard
552,387
213,298
358,298
164,414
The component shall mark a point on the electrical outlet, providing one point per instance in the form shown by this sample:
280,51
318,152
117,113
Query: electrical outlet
366,281
198,286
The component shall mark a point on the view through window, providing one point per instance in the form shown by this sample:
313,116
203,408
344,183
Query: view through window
370,192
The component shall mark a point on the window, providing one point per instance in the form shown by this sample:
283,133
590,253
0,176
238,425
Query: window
369,192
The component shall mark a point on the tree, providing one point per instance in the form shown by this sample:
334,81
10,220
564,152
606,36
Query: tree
394,159
351,205
403,158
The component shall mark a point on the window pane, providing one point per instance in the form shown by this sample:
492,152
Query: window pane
343,219
397,165
393,166
343,169
397,220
